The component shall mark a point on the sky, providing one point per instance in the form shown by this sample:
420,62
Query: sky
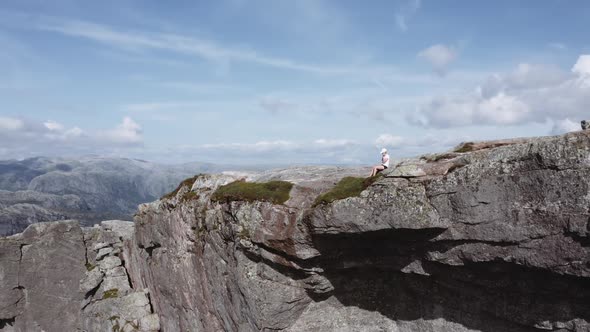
286,82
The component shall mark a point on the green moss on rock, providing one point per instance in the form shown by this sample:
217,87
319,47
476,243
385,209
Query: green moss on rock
190,196
464,147
111,293
347,187
276,192
187,182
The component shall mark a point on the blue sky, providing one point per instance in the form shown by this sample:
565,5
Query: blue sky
287,82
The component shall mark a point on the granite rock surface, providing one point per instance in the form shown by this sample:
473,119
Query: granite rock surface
491,237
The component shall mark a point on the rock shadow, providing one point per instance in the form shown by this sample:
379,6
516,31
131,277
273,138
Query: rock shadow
365,270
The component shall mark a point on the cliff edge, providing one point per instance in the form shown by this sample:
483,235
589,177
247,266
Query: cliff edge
490,237
493,236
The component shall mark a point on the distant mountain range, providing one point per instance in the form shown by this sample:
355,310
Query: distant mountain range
90,189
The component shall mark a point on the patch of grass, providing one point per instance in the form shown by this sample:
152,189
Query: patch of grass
111,293
347,187
187,182
276,192
189,196
464,147
90,267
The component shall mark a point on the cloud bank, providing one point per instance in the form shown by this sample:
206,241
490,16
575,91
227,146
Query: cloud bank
25,138
529,94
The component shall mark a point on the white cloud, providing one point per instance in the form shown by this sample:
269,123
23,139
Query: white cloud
582,66
439,56
528,94
221,54
74,132
502,109
57,132
53,126
28,138
389,140
524,77
206,49
10,124
128,132
564,126
405,13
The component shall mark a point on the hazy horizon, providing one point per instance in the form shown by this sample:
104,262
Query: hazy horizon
247,166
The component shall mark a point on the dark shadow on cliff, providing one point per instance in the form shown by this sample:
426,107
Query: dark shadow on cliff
493,296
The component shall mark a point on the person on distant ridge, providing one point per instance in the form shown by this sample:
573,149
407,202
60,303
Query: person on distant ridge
384,163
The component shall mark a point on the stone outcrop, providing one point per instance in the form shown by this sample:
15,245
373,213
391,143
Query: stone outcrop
39,269
490,237
57,276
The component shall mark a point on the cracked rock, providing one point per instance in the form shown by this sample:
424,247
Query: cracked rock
103,252
91,281
109,263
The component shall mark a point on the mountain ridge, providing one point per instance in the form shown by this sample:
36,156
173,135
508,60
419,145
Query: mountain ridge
98,188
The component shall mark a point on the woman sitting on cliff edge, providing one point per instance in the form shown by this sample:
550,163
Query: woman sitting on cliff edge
384,163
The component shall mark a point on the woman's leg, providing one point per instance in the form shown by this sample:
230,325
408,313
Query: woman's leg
377,169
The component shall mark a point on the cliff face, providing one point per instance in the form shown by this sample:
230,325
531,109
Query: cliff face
494,238
57,276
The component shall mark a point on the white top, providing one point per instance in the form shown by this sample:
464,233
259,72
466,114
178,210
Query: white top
385,160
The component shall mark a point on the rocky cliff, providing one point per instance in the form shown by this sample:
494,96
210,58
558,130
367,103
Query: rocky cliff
57,276
493,236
